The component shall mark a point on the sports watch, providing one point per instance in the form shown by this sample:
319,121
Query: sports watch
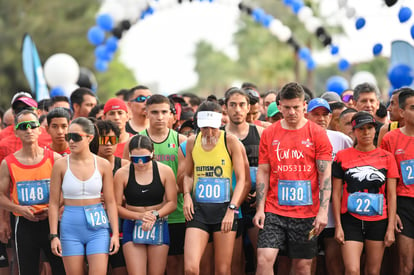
52,236
156,214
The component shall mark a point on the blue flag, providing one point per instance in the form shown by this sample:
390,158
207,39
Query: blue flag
402,52
32,68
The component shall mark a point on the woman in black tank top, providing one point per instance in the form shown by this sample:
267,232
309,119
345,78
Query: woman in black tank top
150,191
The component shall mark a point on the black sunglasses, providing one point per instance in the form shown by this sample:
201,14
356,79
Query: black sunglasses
140,98
144,159
74,136
104,140
24,125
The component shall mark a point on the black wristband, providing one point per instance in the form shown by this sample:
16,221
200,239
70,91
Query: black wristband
52,236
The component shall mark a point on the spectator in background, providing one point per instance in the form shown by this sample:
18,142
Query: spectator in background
345,125
347,97
123,94
7,118
337,108
254,112
268,98
82,100
97,112
192,100
138,95
225,116
381,114
62,102
273,113
187,128
43,106
331,97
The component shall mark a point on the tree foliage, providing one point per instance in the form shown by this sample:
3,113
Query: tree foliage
55,26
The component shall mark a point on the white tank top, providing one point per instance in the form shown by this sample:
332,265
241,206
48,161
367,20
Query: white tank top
73,188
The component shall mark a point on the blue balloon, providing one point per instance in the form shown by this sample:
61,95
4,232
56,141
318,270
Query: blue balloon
304,53
57,91
266,20
334,49
258,14
412,31
96,35
400,75
377,49
105,21
287,2
336,84
102,53
297,5
343,64
310,64
101,65
360,23
404,14
112,44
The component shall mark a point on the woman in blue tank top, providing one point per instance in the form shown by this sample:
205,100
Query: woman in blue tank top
84,228
150,192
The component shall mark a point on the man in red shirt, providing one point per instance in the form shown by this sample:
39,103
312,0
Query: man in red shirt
400,143
293,185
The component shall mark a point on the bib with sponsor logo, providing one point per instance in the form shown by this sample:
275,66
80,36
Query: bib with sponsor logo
212,190
365,204
154,236
294,192
33,192
96,217
407,173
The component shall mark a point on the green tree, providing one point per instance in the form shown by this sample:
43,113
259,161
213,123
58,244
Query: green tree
55,26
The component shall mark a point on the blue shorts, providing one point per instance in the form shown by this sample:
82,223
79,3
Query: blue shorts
129,228
75,236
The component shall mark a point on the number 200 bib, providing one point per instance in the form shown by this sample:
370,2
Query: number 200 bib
213,190
295,192
33,192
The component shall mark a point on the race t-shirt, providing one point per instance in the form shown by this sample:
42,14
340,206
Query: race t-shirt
364,172
292,156
402,147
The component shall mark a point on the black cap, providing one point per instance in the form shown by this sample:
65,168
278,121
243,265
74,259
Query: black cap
363,119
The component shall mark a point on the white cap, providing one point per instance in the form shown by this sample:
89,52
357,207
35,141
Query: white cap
208,119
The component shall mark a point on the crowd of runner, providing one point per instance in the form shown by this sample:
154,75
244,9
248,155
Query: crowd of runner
280,182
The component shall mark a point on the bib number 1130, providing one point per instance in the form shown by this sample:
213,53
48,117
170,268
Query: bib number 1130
294,193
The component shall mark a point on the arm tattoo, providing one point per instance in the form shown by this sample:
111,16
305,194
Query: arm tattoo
322,164
260,192
327,186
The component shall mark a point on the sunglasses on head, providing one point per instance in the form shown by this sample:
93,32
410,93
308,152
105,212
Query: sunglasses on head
141,98
24,125
144,159
104,140
74,136
347,98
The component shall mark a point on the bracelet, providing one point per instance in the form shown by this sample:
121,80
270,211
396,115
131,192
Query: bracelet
186,193
52,236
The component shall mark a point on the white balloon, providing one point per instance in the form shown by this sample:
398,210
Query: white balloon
305,13
312,24
350,12
114,9
275,26
284,34
361,77
69,88
61,69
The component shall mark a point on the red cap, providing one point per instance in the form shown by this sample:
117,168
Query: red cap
115,104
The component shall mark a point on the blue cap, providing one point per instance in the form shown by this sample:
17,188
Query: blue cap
318,102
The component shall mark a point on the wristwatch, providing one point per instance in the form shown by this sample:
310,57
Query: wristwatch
232,207
156,214
52,236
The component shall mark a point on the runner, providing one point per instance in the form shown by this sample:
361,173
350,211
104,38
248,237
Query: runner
210,202
293,185
364,199
57,127
84,229
151,195
26,175
400,143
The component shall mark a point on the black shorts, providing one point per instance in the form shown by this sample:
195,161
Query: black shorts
290,234
359,230
210,228
177,236
4,260
117,260
405,206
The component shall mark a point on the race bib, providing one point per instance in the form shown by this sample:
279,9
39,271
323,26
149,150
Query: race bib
407,167
33,192
253,173
155,236
96,217
294,192
213,190
365,204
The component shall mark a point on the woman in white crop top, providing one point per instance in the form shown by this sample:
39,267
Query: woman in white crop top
84,228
